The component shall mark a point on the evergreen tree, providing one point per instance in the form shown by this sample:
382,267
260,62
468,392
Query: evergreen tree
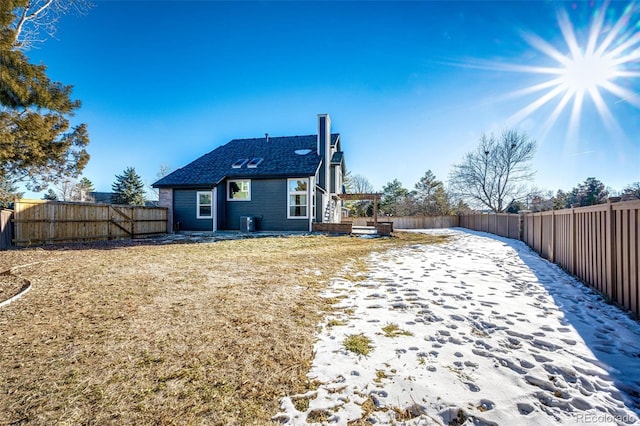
37,144
588,193
426,187
50,195
426,190
441,203
8,193
431,197
83,189
128,188
594,192
515,207
461,208
393,198
561,200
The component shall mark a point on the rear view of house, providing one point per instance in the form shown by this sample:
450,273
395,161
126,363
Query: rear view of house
271,184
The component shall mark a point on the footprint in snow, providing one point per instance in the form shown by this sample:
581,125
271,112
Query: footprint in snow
525,409
472,387
545,345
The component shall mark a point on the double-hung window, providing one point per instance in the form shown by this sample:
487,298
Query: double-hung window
204,209
239,190
298,198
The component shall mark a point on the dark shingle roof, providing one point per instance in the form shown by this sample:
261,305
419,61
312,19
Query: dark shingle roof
337,157
279,154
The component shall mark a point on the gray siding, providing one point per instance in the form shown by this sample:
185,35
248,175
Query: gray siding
268,203
222,206
319,210
333,172
184,210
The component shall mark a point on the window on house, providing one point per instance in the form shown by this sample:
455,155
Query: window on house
254,162
241,162
239,190
204,209
298,198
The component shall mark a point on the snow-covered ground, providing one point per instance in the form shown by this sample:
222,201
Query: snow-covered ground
487,333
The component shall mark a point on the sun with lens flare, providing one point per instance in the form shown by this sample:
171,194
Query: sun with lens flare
605,64
588,73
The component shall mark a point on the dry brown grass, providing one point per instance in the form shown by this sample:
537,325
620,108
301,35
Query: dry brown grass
167,334
10,285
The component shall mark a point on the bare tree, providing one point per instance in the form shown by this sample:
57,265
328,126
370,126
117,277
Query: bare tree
36,19
164,170
358,184
495,173
67,190
72,190
631,192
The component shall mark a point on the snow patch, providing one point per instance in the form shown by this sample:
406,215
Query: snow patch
491,334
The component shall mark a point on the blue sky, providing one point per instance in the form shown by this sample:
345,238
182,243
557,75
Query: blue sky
411,86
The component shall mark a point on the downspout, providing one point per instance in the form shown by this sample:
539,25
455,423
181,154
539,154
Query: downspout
214,202
311,201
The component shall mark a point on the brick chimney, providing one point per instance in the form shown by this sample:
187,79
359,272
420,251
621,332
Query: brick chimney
324,149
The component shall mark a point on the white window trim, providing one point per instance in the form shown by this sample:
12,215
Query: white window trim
229,191
241,162
198,215
290,193
255,162
312,200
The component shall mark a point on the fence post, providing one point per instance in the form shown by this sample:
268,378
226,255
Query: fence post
109,217
541,232
552,238
610,252
572,241
6,229
50,212
521,227
133,222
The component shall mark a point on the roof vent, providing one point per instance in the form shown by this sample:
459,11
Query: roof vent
241,162
266,136
254,162
302,151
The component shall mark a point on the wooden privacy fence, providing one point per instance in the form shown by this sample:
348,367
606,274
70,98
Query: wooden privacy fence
599,244
47,222
410,222
6,229
502,224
